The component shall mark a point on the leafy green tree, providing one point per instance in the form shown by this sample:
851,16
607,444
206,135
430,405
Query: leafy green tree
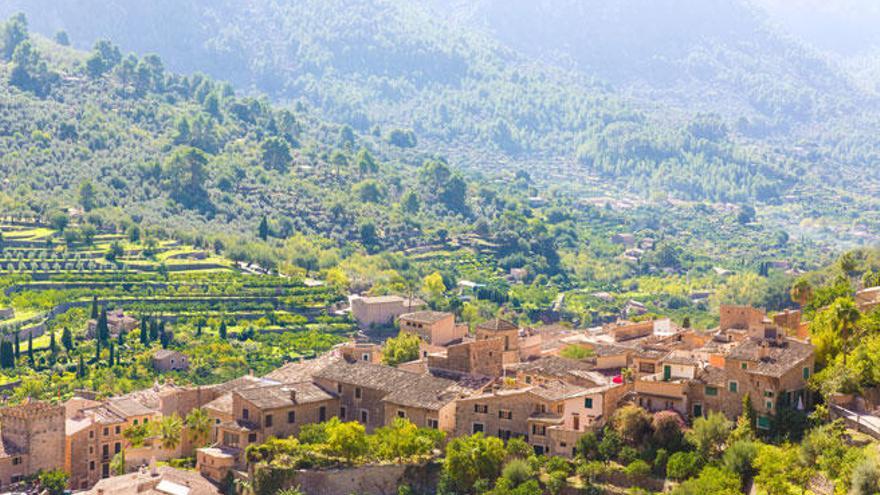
683,465
633,424
13,32
738,458
472,458
433,286
610,444
87,195
709,434
29,71
401,349
845,319
275,153
53,481
185,173
780,471
62,38
347,440
711,480
104,57
117,464
411,202
865,478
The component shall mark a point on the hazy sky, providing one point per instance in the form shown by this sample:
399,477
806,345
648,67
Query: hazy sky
845,26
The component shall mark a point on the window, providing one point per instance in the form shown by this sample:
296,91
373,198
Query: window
252,437
529,379
245,413
365,416
769,405
291,416
268,420
806,372
768,393
477,428
505,414
91,434
588,403
357,392
117,447
733,386
342,412
764,422
481,408
16,461
322,414
433,423
146,420
135,422
91,465
105,450
711,391
118,429
744,366
338,388
91,450
647,368
230,439
504,434
401,413
539,430
106,431
365,357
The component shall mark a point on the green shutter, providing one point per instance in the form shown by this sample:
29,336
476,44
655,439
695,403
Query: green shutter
588,403
806,372
764,422
733,387
711,391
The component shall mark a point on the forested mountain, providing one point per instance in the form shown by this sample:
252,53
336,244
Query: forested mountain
125,138
485,101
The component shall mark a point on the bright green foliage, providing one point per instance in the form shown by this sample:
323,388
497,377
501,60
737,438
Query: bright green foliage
709,434
54,481
472,458
711,480
401,349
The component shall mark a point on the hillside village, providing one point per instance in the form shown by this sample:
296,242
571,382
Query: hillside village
498,380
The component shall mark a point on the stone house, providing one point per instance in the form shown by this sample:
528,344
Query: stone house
366,390
381,310
519,345
32,439
475,357
162,480
434,327
367,352
117,321
165,360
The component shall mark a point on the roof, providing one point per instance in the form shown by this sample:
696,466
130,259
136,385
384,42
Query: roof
166,353
556,390
275,396
497,325
773,359
222,404
554,366
711,375
128,407
245,381
303,371
680,357
168,481
403,387
426,316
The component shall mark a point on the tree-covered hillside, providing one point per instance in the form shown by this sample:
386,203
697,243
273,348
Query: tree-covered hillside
384,64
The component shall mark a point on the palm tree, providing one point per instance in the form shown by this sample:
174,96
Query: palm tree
801,291
199,425
169,430
845,315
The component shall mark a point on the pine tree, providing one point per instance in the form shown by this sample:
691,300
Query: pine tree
264,228
95,308
17,347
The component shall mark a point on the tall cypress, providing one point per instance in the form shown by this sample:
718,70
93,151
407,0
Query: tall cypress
17,347
97,351
52,347
31,349
95,308
81,370
110,359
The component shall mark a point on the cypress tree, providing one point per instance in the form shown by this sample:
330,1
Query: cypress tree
264,228
31,349
67,339
222,330
95,308
52,347
120,338
154,330
110,358
17,347
97,351
103,330
81,370
6,355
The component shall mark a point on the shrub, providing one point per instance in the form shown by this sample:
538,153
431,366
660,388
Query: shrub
637,470
660,460
667,426
865,478
558,464
683,465
517,448
739,456
627,455
609,447
633,424
588,446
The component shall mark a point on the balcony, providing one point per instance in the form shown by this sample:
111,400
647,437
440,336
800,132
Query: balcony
658,385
